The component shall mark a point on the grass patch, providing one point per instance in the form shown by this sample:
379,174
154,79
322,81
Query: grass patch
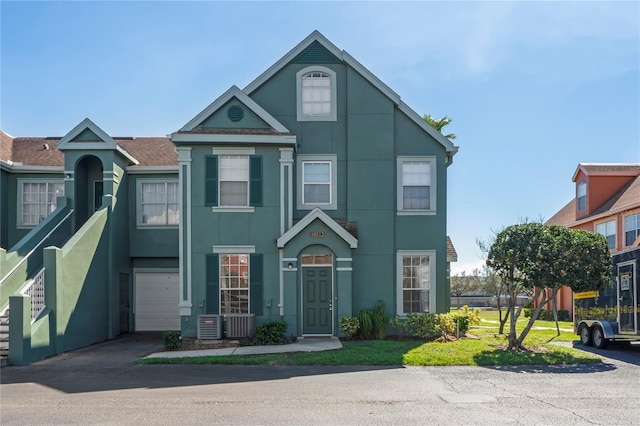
488,349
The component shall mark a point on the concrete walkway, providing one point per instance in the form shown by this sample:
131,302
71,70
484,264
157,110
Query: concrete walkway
309,344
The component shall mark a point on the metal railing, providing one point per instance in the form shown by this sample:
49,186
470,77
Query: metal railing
35,289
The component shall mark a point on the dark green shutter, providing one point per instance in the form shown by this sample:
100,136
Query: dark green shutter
211,181
256,285
255,177
212,293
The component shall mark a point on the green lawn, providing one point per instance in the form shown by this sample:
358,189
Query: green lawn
486,349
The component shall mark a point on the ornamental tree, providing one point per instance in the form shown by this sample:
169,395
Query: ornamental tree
539,259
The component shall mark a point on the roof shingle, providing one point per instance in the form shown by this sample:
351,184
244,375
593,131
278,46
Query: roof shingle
149,151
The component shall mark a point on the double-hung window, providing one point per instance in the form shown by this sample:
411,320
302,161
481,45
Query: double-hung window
233,181
416,185
582,196
38,200
416,273
317,181
608,229
631,229
316,94
158,203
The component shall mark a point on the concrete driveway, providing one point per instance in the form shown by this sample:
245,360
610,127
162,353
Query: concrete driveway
100,384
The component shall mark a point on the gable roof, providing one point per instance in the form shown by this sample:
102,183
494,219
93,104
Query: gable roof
72,140
317,37
314,214
607,169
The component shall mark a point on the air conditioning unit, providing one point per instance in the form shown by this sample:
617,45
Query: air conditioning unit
210,327
240,325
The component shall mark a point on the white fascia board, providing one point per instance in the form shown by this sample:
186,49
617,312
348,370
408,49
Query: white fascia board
446,143
126,155
235,92
249,139
19,168
316,213
273,69
64,143
142,170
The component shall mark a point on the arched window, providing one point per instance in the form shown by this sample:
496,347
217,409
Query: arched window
316,94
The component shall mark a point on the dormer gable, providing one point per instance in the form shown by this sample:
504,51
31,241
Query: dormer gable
234,117
597,183
87,136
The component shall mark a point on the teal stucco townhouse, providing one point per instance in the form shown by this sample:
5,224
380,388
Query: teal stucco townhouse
308,195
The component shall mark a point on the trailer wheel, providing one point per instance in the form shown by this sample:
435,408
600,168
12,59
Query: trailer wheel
586,337
599,340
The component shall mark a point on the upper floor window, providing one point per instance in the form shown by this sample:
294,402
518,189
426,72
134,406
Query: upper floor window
316,87
158,203
233,181
608,229
416,185
316,180
316,177
38,200
582,196
631,229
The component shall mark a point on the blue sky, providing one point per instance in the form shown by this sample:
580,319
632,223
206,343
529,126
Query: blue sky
534,88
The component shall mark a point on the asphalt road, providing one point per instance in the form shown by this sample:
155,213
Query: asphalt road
100,385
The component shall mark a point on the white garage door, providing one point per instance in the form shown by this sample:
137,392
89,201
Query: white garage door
157,296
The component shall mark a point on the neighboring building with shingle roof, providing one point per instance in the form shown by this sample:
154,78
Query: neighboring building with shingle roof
607,201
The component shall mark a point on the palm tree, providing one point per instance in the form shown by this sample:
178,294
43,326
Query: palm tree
439,124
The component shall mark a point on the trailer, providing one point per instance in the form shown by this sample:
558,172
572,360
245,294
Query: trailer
611,314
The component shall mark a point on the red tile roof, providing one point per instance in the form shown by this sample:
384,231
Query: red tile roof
149,151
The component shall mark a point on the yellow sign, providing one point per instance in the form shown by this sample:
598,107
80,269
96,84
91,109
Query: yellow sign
586,295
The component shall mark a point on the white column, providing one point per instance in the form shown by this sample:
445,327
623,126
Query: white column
184,166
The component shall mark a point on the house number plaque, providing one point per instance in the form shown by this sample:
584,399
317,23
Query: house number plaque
317,234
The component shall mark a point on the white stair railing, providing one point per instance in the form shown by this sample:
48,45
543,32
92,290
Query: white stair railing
35,289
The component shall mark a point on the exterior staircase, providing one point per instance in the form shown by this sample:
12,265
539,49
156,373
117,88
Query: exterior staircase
4,337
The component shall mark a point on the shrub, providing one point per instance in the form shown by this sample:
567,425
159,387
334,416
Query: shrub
373,322
271,333
171,340
423,326
349,326
399,325
472,314
547,315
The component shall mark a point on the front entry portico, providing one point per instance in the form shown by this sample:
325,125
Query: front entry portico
316,281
